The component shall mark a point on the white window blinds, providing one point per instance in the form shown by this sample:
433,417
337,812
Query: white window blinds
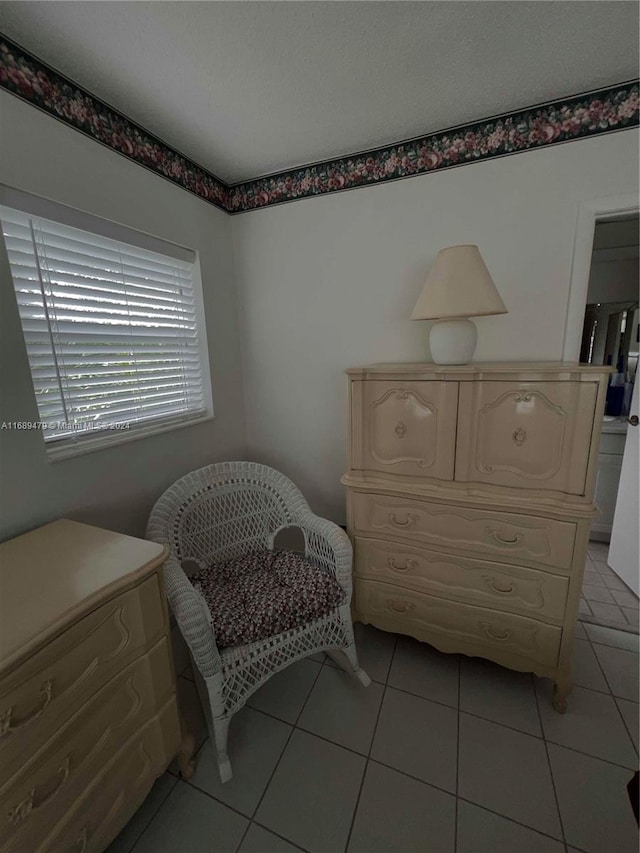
111,329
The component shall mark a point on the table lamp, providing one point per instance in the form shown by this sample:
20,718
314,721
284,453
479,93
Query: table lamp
458,286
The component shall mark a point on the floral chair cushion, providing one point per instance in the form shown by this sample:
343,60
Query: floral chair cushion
262,594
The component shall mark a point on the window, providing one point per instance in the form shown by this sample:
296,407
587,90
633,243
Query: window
113,331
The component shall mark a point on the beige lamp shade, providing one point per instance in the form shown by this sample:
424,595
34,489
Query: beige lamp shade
458,285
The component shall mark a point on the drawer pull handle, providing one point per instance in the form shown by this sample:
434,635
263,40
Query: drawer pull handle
491,583
487,627
400,429
494,534
6,726
409,565
411,519
519,436
26,807
400,606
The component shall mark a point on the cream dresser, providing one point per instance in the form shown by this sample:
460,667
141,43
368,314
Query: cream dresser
470,495
88,713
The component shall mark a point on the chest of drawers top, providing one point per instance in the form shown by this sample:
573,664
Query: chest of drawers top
57,573
526,371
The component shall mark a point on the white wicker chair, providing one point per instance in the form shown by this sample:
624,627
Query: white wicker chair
222,512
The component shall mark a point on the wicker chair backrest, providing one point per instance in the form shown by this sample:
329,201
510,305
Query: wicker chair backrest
225,522
226,510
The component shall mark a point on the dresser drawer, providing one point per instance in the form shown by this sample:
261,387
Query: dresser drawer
42,693
47,784
503,536
503,587
119,791
510,640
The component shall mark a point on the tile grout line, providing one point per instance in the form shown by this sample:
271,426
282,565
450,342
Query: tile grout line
208,794
236,811
153,816
512,728
590,564
233,809
628,593
510,819
546,751
611,645
277,834
607,573
373,735
613,695
284,749
624,722
463,799
598,692
459,710
468,713
247,817
451,708
600,667
368,758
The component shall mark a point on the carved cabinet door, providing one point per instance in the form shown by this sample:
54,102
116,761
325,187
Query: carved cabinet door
534,435
404,428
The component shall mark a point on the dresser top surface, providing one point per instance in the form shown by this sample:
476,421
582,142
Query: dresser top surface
50,576
485,368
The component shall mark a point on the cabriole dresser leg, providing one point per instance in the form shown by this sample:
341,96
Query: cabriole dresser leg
186,761
561,691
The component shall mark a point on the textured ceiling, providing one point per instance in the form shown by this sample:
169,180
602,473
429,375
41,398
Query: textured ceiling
248,88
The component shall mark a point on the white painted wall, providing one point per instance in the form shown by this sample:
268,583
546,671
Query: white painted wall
115,487
328,283
323,284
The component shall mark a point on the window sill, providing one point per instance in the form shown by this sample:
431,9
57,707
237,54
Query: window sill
57,451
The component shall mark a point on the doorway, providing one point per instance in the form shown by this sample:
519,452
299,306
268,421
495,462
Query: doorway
610,336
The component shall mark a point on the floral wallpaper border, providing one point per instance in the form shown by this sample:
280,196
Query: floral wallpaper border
29,78
603,111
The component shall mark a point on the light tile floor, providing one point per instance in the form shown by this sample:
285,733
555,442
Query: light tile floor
606,600
441,754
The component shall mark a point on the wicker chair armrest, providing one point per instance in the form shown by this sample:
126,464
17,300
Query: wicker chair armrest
328,546
192,616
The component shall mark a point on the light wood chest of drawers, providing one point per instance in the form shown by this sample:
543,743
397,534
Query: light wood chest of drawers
88,712
470,495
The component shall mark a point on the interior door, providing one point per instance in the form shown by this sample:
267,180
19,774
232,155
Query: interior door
624,557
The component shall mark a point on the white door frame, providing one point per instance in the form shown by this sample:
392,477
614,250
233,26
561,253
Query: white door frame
589,212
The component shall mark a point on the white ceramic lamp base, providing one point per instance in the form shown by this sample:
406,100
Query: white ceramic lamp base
453,341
